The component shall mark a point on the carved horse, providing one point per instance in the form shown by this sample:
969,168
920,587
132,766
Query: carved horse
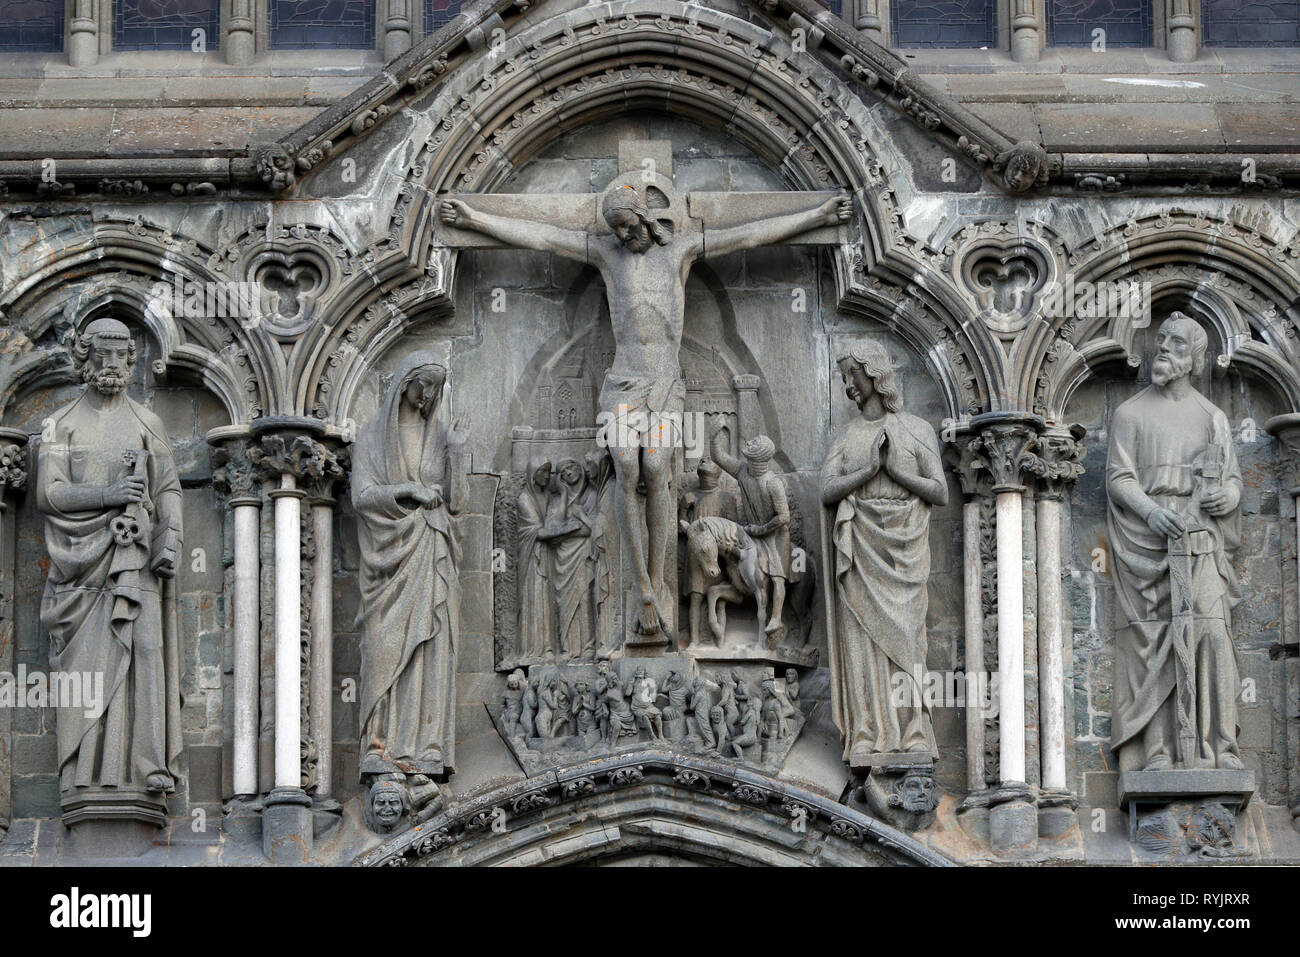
709,540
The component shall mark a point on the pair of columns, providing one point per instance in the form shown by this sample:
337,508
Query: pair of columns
1015,459
1028,25
290,467
92,23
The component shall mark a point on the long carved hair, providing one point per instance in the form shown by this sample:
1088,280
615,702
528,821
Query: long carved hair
874,361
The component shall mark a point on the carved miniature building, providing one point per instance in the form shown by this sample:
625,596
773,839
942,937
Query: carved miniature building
697,416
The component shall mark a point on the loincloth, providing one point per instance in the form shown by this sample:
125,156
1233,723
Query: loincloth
623,396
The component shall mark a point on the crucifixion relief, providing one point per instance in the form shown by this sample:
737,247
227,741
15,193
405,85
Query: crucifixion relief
643,238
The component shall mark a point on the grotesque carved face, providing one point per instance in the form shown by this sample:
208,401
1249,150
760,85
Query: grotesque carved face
1175,351
858,386
386,805
109,366
916,793
630,229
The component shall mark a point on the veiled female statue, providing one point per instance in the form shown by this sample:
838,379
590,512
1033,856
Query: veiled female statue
536,608
568,530
881,477
409,478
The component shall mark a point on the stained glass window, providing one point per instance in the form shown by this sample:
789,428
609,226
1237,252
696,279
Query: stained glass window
1250,23
164,24
1070,23
322,24
31,26
943,23
438,13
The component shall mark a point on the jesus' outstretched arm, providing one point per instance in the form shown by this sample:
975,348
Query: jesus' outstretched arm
776,229
524,233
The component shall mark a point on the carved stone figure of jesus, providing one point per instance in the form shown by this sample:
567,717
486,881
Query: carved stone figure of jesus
108,487
1174,490
644,262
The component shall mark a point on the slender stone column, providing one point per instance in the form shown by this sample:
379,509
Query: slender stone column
1003,439
1057,463
13,478
1286,428
288,627
1051,667
292,456
1182,40
976,487
321,499
83,35
237,478
239,43
871,17
397,28
1026,40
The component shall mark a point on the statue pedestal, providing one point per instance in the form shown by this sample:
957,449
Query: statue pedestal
780,657
1142,790
287,826
113,822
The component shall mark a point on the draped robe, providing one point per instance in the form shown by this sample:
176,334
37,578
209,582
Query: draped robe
103,607
880,567
572,567
536,614
1159,448
410,587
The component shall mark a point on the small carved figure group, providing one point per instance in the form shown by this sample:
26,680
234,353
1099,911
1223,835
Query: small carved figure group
565,538
739,718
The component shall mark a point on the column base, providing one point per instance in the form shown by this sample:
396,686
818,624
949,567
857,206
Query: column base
1013,821
241,819
1058,812
113,822
287,827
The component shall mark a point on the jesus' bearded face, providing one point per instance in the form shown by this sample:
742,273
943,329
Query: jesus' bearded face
630,229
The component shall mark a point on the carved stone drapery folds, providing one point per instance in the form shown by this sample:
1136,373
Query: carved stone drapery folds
105,465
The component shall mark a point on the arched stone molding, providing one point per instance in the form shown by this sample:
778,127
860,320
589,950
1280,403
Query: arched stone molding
123,263
1240,281
480,121
650,801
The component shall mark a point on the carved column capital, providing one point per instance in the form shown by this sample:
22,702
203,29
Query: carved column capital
234,474
964,455
1000,445
746,383
1286,429
303,457
1056,459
